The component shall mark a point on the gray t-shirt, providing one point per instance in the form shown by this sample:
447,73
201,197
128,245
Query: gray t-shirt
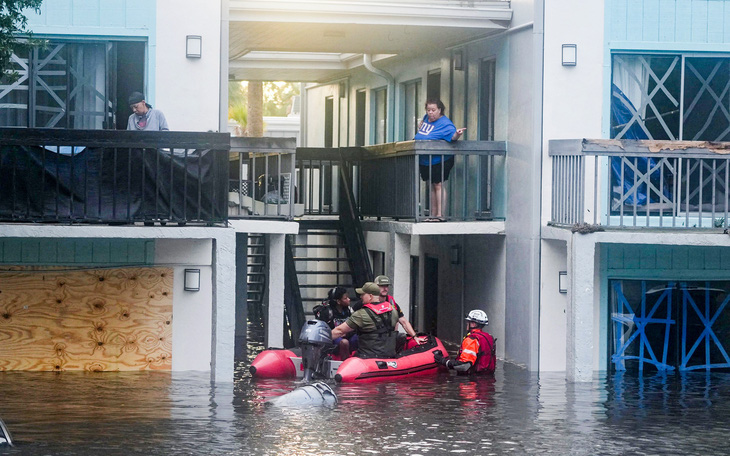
154,120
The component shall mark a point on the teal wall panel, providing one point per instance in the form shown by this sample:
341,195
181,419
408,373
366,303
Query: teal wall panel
667,262
667,24
133,18
102,252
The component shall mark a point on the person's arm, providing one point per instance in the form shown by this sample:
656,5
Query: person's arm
163,122
407,326
467,358
458,133
341,330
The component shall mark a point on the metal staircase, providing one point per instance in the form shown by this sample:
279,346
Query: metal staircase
256,279
321,260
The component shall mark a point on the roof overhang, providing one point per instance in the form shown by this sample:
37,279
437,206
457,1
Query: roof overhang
313,35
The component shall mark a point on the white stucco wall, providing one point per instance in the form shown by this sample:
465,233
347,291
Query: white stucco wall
192,315
187,90
553,304
573,100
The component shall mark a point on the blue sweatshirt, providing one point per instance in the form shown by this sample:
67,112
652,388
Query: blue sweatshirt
442,128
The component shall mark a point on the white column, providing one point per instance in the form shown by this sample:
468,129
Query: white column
581,298
224,307
400,247
275,317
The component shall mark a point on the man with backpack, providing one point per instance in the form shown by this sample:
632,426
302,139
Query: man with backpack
477,352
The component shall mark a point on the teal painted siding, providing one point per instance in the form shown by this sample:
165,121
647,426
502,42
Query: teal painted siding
687,22
668,262
101,252
132,18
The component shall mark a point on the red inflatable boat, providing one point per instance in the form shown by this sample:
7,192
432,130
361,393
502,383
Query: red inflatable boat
415,360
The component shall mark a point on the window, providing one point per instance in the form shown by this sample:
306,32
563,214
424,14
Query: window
433,85
487,71
360,118
412,109
329,121
71,85
649,99
380,116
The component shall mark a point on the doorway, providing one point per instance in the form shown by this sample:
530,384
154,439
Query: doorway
430,295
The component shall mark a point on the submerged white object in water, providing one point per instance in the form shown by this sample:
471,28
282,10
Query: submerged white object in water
318,393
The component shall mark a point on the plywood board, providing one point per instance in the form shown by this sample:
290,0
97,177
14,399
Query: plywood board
94,320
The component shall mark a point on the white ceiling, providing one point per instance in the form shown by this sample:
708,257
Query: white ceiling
306,31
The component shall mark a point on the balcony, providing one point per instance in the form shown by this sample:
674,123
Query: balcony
114,177
640,183
386,181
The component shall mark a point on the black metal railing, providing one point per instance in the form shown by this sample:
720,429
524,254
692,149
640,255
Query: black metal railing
387,179
261,180
354,237
102,176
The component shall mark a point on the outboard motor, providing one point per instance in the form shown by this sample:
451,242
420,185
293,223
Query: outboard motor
316,341
318,393
5,440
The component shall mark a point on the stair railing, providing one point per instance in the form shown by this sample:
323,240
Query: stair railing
293,305
353,235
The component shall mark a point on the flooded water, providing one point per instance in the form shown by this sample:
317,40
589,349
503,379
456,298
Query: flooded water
513,413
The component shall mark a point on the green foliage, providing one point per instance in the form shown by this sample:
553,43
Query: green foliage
13,22
277,99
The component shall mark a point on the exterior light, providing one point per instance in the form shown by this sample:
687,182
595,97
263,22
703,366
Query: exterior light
570,54
194,46
563,281
192,280
459,60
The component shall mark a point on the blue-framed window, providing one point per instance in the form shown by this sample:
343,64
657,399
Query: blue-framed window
670,97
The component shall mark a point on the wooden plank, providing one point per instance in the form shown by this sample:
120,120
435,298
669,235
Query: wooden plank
695,259
647,258
664,257
712,257
632,257
618,20
650,27
100,251
683,33
667,21
715,22
679,257
12,251
93,320
699,22
29,250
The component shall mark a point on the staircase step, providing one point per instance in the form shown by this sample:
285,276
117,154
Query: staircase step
319,259
324,272
328,286
319,246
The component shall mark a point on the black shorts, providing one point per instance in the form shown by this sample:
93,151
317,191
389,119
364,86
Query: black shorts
436,171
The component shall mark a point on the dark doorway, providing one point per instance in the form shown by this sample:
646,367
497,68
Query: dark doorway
433,85
129,77
360,118
414,291
430,295
329,121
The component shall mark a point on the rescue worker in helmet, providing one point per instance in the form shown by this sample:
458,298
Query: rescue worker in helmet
477,352
375,323
383,282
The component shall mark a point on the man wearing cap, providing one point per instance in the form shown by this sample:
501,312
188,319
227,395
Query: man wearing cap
143,117
383,282
375,323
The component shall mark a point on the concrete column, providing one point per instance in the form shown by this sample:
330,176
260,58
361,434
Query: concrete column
581,297
224,306
276,244
400,248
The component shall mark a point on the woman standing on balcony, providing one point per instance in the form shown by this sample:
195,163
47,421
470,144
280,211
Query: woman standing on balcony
434,126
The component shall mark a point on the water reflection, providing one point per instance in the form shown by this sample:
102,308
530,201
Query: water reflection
514,412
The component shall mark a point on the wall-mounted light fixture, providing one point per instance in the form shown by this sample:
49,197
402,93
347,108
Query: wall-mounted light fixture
193,46
192,280
455,254
459,60
570,54
563,281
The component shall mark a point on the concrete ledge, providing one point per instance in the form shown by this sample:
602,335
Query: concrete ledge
427,229
708,237
264,226
105,231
